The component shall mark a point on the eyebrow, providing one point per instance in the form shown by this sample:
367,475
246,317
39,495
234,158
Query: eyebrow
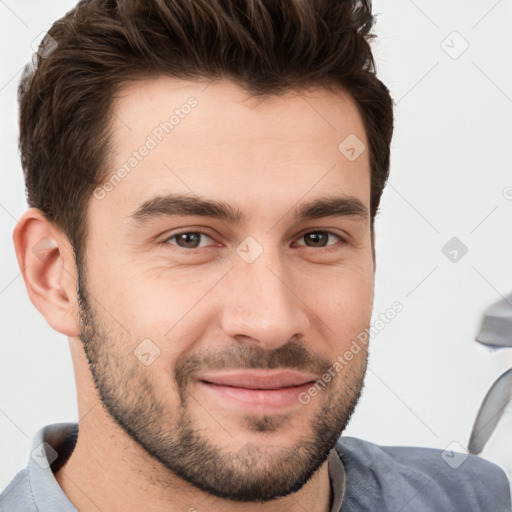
177,204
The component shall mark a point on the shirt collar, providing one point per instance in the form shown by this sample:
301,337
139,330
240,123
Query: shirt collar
51,448
337,478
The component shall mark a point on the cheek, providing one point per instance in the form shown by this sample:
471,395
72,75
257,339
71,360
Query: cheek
343,301
158,296
170,310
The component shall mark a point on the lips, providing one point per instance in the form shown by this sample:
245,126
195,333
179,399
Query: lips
257,391
263,380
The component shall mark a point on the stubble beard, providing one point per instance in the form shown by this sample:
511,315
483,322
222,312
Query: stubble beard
253,473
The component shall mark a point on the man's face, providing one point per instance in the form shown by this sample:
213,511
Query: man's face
205,332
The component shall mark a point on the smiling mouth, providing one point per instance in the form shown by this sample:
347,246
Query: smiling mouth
258,390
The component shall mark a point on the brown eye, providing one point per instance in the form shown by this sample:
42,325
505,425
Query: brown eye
319,238
188,239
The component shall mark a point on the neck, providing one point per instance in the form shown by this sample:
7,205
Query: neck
109,471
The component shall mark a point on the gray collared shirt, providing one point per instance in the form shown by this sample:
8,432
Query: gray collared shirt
364,477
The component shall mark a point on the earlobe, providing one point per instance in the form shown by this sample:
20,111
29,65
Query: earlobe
46,260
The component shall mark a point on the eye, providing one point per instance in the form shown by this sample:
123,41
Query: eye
320,238
188,239
193,239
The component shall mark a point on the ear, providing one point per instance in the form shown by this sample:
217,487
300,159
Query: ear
373,251
47,263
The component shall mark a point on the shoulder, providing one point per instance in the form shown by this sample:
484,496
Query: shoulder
419,479
18,495
34,488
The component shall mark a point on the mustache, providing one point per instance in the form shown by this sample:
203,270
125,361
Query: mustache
292,355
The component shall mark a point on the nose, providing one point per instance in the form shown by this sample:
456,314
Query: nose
261,306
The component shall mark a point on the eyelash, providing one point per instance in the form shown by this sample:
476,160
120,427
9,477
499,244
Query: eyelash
198,249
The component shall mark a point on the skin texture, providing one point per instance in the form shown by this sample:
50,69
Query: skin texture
152,436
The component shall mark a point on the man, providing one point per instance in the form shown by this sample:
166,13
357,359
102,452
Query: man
203,178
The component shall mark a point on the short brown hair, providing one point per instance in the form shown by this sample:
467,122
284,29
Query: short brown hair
266,46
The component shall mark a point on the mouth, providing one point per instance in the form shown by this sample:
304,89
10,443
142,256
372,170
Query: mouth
267,390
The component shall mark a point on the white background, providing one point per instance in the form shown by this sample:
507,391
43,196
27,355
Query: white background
451,166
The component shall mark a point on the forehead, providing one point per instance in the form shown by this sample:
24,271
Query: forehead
214,139
223,112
